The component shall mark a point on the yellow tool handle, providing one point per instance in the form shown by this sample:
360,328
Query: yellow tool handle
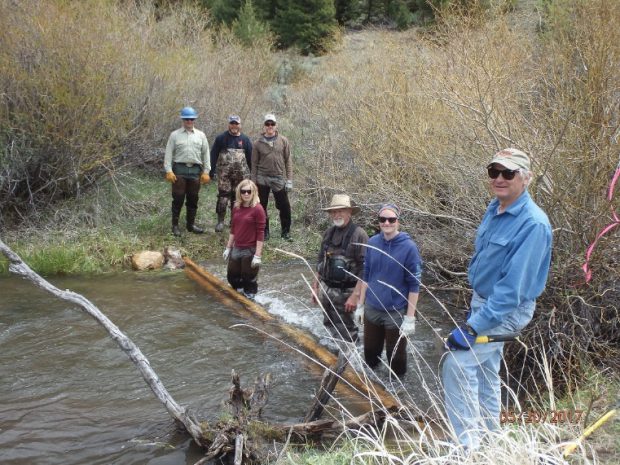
589,430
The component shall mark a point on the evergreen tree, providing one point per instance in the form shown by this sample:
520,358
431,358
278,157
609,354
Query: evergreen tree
309,25
348,10
223,11
248,28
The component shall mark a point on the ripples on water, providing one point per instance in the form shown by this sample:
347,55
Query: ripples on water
69,395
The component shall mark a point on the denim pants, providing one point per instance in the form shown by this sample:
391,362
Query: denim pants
471,381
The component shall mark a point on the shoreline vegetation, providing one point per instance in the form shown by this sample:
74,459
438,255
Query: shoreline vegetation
91,95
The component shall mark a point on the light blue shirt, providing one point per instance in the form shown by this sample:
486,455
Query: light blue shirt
511,259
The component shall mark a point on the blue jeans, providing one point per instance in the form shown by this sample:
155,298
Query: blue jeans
471,379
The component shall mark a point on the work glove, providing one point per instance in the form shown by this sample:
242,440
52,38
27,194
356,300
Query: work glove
171,177
226,254
408,326
461,338
288,186
358,316
204,178
256,261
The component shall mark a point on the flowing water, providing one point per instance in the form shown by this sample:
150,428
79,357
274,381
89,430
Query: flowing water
69,395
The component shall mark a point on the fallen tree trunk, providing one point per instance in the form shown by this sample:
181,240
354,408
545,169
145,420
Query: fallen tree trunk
179,413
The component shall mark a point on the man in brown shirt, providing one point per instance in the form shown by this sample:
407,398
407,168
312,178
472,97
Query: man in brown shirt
272,171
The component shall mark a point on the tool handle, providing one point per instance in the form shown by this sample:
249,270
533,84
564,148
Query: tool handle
496,338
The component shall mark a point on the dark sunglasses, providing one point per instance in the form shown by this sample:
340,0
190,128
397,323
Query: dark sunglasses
508,175
383,219
270,124
189,119
245,191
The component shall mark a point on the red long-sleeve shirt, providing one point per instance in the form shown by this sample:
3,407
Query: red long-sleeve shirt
248,225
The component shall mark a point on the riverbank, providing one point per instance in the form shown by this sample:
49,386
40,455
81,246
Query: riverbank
129,212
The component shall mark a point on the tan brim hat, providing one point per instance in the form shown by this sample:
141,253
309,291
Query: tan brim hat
511,159
342,201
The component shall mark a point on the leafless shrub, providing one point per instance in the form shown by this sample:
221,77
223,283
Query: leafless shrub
416,118
90,87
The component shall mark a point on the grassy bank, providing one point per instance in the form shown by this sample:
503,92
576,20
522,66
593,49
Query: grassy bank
131,212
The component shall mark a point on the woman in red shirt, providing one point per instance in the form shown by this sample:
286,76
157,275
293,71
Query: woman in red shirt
245,242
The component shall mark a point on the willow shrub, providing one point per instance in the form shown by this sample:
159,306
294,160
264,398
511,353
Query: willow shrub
92,86
414,118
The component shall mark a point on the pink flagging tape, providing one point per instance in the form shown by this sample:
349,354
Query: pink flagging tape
610,193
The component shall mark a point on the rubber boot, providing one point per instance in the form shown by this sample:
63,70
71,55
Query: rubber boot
191,227
175,226
219,227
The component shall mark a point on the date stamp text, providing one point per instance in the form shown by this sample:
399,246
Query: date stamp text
537,416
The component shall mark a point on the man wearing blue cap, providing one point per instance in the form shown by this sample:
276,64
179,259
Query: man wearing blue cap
231,157
187,166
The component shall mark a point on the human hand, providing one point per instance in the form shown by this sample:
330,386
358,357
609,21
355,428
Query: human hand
461,338
226,254
204,178
256,261
288,186
171,177
407,328
358,316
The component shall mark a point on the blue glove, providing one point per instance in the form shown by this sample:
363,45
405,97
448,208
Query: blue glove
461,338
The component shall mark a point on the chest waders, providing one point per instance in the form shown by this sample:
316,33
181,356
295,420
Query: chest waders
336,268
232,168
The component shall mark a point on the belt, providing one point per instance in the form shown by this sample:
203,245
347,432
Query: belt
335,285
189,165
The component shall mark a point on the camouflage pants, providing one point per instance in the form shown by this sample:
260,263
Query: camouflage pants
231,170
338,322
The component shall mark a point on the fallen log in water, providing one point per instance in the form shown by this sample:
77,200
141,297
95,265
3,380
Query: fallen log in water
378,397
244,435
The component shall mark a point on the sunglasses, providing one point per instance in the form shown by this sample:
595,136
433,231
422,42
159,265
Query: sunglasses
383,219
245,191
508,175
189,119
270,124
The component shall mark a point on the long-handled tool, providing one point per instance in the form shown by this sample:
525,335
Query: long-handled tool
496,338
491,338
569,449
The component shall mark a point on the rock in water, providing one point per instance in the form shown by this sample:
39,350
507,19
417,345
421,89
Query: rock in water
147,260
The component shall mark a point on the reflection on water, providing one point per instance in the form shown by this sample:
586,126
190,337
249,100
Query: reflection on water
69,395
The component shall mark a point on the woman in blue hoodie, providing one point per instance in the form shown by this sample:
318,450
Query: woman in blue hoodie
392,271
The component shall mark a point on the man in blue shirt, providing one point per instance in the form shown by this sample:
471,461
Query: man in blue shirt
507,272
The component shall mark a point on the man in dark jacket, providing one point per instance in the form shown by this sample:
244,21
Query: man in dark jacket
231,157
339,267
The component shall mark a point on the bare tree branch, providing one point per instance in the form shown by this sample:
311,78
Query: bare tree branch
179,413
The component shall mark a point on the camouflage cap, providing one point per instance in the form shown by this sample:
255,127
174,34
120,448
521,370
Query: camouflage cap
511,159
234,119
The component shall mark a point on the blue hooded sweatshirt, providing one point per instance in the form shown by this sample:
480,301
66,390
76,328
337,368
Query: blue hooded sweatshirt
397,264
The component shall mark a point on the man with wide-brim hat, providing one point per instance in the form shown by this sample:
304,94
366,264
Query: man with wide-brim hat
339,266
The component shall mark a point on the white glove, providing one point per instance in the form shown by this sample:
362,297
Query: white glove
226,254
288,186
408,326
256,261
358,316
